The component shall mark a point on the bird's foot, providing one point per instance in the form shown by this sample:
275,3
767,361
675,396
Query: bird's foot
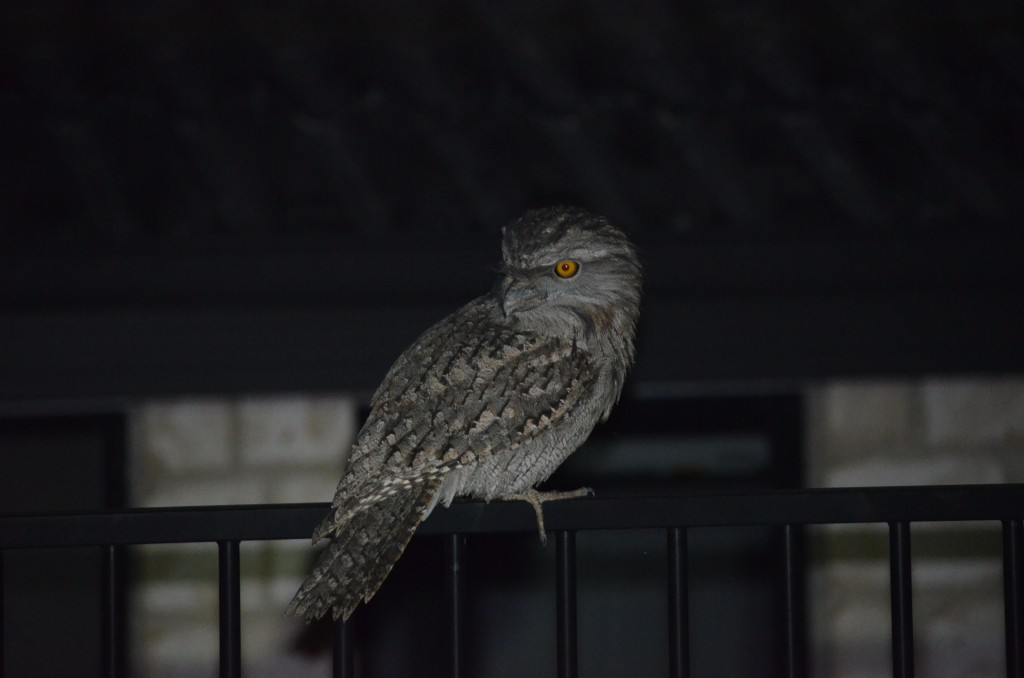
536,500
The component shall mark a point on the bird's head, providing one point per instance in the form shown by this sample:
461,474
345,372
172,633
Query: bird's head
569,272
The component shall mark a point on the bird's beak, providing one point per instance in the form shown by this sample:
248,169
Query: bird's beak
514,294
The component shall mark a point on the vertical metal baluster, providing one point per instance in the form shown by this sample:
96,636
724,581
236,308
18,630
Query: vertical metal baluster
794,610
902,600
2,627
455,586
113,611
678,603
342,666
1013,596
565,561
230,610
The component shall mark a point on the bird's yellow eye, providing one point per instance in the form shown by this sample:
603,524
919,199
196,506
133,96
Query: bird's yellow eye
566,268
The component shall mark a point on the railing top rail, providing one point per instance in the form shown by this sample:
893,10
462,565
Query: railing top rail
296,521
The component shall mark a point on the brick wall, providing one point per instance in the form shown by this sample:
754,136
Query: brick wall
912,433
239,451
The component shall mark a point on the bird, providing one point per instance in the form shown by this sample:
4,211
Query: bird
487,402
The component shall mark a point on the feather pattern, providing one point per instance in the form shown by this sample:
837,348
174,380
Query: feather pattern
487,402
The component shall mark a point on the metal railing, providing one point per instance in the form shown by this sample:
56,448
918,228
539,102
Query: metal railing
899,507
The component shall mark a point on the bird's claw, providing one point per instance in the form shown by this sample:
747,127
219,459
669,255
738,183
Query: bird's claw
536,500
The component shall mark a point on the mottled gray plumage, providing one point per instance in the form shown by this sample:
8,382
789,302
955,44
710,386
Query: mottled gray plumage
486,403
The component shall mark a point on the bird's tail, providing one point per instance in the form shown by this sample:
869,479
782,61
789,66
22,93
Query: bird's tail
362,553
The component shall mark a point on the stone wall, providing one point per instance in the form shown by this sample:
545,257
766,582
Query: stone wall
912,433
289,449
229,451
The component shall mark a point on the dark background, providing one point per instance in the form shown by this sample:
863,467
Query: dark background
236,197
220,197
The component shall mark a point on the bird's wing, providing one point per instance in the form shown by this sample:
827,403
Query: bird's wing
468,389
